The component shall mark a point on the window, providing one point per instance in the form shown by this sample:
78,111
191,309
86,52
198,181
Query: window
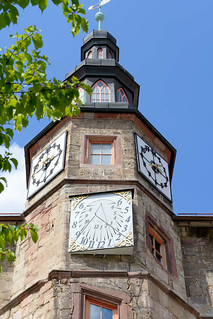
81,94
101,153
89,56
121,96
158,247
160,244
109,55
100,92
99,53
96,309
101,149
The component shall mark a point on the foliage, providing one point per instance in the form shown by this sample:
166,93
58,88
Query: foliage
72,11
25,91
10,234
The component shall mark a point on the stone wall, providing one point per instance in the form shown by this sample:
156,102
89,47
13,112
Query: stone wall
62,296
197,249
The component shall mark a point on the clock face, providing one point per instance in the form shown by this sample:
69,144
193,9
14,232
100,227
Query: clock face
102,223
153,167
47,164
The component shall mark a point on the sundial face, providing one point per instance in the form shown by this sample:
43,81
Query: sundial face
152,166
102,223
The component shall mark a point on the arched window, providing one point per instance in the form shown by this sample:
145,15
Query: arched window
89,56
99,53
121,96
81,94
109,55
100,92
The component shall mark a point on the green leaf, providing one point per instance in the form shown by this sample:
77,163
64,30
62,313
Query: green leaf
84,25
1,187
2,242
14,14
23,3
37,40
19,66
9,132
43,4
15,162
4,20
34,235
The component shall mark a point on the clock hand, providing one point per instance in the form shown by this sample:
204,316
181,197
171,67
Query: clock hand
45,164
82,230
114,229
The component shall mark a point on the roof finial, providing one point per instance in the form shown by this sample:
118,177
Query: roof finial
99,17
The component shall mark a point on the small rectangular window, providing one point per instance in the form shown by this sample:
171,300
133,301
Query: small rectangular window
101,150
101,153
158,246
96,309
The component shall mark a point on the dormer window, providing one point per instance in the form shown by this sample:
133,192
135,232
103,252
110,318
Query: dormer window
121,96
99,53
89,56
109,55
100,92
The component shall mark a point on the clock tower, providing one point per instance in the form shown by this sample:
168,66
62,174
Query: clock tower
99,188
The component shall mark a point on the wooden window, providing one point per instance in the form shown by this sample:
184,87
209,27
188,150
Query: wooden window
101,153
96,309
158,247
121,96
99,53
100,92
101,150
89,56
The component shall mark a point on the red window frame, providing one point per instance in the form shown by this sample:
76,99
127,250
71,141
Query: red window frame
101,304
121,96
100,92
158,247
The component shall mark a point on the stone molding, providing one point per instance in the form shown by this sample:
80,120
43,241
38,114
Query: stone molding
17,300
65,274
76,181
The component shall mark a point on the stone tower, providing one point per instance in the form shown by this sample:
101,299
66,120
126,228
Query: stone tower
99,188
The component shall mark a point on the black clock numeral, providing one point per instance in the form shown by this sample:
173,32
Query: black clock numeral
118,238
84,241
91,244
109,243
120,202
101,244
126,210
127,220
81,206
96,227
77,234
74,225
76,214
125,228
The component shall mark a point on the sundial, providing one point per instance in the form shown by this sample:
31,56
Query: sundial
99,17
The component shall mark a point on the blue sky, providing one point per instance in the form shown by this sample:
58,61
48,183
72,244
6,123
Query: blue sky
167,46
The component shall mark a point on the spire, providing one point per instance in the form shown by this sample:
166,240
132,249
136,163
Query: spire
99,17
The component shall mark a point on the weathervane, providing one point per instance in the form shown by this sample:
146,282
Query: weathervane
99,17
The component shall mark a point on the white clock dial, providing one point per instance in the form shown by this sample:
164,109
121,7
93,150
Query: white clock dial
100,222
153,167
47,164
